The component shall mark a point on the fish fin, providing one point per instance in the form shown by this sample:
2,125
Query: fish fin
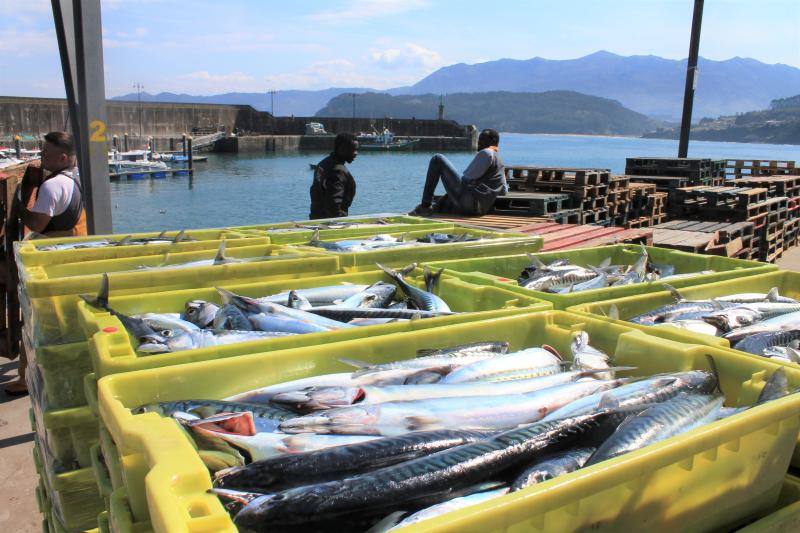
420,422
180,237
608,401
406,270
716,305
388,522
579,342
535,261
161,235
773,295
389,272
605,263
220,257
675,294
613,312
777,386
314,237
354,362
123,241
237,496
552,351
715,371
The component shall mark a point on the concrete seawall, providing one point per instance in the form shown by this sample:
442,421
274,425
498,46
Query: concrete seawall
36,116
324,143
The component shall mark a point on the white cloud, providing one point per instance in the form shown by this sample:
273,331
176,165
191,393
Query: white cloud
360,10
16,8
24,43
409,56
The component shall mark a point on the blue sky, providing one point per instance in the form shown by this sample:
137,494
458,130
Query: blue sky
208,47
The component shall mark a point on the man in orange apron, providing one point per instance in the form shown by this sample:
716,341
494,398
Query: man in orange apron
55,192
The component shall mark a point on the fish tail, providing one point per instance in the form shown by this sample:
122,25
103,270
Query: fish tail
432,278
535,261
675,294
220,257
715,372
101,300
180,237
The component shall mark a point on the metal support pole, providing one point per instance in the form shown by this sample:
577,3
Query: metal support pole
125,141
79,32
17,146
171,144
691,79
183,144
189,161
115,142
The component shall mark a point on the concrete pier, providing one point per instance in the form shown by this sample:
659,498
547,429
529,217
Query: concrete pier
256,130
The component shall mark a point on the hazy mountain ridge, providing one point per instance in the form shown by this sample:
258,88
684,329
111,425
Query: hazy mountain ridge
546,112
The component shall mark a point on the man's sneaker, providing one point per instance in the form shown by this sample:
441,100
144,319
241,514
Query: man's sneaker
421,211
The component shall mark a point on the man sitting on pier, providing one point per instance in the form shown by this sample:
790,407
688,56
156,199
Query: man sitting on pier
334,188
475,191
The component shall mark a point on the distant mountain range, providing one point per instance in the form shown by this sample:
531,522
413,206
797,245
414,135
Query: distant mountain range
647,84
545,112
287,103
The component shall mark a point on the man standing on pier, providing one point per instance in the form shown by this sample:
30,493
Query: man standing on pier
473,193
334,188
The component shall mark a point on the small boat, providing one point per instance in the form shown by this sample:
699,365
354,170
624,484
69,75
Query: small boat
384,142
315,128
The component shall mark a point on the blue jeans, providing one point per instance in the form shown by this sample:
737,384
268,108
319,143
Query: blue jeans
440,169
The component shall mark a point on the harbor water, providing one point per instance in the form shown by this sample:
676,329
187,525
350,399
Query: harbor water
241,189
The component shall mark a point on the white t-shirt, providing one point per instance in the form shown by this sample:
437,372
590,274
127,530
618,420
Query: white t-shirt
55,195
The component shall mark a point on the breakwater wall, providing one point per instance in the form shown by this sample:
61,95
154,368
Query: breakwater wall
32,117
324,143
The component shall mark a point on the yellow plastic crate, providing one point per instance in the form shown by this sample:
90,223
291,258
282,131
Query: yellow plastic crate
28,253
136,264
73,496
708,478
504,271
786,514
102,476
295,233
49,305
111,458
58,372
102,523
67,435
120,518
788,284
113,351
493,243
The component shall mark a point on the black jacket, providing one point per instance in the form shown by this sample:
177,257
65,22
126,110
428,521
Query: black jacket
333,189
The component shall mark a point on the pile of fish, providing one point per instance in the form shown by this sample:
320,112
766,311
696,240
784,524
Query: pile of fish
380,242
765,324
240,318
161,238
396,443
562,277
339,224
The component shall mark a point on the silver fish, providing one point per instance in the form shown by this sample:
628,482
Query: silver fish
677,415
530,361
450,506
332,397
423,299
552,466
485,413
586,357
200,313
316,296
193,340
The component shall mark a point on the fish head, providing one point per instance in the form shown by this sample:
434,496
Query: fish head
699,381
732,318
313,398
181,341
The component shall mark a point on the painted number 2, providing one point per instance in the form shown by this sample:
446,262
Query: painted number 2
98,128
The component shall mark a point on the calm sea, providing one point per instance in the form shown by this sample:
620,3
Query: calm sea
241,189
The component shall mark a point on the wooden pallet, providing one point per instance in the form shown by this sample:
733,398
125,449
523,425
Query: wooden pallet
758,167
777,185
688,241
531,203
